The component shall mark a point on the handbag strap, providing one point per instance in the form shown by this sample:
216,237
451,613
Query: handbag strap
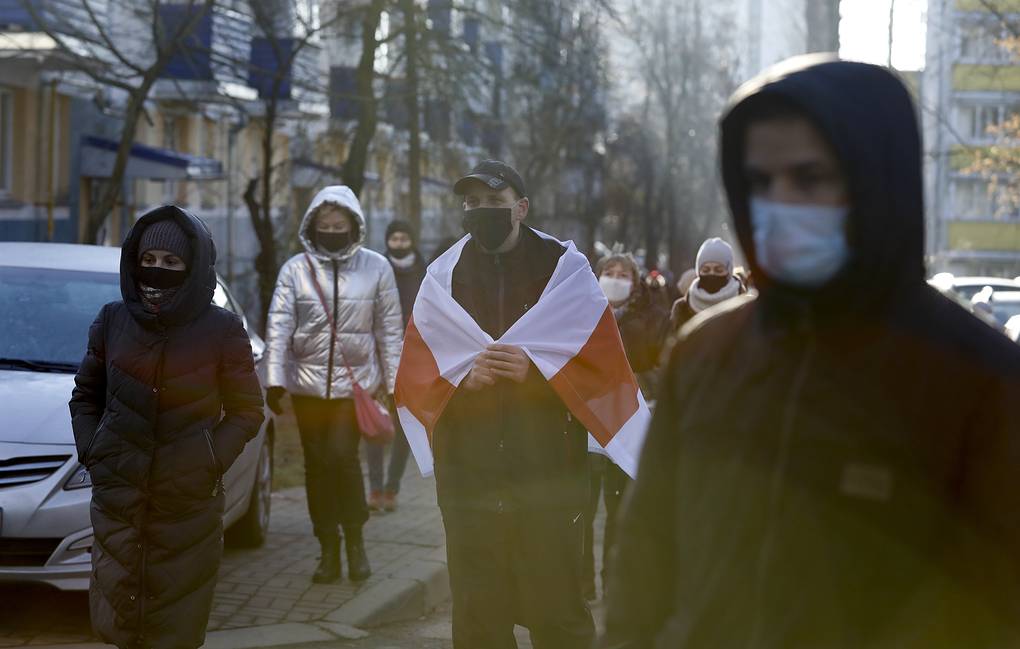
329,315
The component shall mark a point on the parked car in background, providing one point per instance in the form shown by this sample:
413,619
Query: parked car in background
1013,328
968,287
49,295
1005,306
975,294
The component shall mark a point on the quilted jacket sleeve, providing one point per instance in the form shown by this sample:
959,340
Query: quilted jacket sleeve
88,399
241,394
280,326
388,326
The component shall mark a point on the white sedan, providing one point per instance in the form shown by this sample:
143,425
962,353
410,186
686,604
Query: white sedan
49,295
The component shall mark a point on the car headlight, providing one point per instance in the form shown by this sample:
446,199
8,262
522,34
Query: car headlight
80,479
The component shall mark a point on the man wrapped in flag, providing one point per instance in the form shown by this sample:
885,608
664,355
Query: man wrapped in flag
512,366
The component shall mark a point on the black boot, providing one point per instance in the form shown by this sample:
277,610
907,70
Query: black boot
328,570
357,559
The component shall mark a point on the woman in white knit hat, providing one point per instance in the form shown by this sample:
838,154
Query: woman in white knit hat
715,283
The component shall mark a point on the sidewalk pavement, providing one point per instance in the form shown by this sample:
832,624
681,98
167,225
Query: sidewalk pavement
264,597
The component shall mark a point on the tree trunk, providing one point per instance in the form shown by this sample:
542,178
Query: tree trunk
413,115
265,260
892,25
822,18
107,201
102,208
355,165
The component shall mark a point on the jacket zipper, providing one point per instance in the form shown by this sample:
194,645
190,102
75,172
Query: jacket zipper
332,331
88,449
500,388
142,593
218,489
501,294
778,478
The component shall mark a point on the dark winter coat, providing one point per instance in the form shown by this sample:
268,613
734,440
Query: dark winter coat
643,326
509,446
842,468
162,407
409,283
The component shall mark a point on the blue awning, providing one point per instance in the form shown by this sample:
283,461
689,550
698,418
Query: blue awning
146,163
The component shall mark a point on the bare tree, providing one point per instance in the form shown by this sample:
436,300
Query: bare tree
686,73
106,47
822,19
356,163
560,115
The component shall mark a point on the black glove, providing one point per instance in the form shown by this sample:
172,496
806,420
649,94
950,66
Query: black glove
273,396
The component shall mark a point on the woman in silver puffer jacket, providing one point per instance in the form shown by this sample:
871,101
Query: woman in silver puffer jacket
305,360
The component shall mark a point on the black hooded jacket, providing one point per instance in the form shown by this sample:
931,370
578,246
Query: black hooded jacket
408,283
162,407
838,468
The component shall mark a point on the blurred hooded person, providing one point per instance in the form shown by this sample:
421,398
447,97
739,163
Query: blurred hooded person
308,360
842,469
409,269
164,401
714,283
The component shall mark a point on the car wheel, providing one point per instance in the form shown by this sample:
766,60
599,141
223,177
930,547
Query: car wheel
250,530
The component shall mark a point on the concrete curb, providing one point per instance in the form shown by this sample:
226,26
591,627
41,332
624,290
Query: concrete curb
408,594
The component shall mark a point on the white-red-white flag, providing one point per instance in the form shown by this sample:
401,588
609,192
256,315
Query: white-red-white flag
570,335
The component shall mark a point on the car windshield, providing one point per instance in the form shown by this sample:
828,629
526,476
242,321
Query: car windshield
968,291
1005,310
45,314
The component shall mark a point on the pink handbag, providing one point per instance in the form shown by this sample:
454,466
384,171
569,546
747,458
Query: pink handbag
373,419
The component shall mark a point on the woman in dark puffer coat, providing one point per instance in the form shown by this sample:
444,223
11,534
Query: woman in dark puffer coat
165,400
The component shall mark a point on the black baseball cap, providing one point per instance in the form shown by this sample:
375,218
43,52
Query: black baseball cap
497,175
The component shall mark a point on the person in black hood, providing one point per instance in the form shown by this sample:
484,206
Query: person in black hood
841,471
409,270
164,401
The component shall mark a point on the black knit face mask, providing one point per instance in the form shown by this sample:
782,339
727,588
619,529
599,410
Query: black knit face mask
160,278
490,226
713,283
333,241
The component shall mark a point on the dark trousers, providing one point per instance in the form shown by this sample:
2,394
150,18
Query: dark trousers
610,481
517,568
399,450
333,478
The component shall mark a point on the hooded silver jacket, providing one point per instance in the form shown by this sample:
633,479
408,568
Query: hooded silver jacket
367,308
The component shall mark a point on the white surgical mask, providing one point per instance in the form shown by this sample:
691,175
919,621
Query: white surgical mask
800,245
617,290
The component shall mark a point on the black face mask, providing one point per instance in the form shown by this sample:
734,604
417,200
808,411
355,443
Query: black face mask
490,226
162,278
333,241
400,253
713,283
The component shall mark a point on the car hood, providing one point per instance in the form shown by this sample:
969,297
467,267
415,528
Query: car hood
33,407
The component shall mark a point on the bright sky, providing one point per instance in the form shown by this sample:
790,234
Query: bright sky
864,32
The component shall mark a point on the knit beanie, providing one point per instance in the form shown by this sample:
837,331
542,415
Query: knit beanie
715,250
399,226
165,235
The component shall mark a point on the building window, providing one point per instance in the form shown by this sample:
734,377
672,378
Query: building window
980,123
6,134
975,199
982,43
